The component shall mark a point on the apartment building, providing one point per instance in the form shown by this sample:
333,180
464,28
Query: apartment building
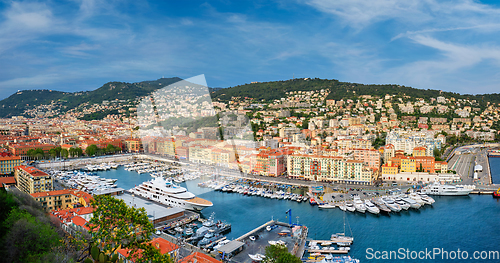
328,169
8,163
31,180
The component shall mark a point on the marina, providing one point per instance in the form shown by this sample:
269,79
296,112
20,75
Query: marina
243,207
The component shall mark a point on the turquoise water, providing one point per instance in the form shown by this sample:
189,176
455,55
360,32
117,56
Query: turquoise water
469,223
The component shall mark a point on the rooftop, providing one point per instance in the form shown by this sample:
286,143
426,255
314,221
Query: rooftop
153,209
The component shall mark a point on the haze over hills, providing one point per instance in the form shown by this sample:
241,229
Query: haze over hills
59,102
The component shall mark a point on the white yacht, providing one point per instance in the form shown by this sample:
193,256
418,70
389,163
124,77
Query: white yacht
350,206
389,202
443,189
370,207
164,191
402,203
413,204
427,199
359,205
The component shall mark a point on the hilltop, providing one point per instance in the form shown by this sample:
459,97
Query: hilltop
276,90
20,102
118,97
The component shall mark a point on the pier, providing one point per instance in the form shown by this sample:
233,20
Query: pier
256,240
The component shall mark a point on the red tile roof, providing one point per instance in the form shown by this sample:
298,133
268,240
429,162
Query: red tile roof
7,180
31,170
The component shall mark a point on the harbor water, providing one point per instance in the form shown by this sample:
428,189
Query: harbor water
495,169
470,223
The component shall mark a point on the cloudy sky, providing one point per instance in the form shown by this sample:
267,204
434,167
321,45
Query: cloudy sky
82,44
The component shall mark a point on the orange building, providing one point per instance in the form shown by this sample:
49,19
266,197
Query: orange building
22,149
425,164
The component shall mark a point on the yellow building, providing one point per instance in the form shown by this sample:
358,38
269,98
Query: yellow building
441,166
389,168
419,151
62,199
8,163
133,145
408,164
31,180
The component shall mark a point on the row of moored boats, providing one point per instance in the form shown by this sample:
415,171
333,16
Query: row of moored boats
385,204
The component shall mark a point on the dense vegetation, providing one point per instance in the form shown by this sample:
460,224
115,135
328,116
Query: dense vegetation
279,254
27,234
115,225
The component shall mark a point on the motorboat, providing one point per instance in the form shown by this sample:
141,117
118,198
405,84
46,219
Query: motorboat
370,207
350,206
383,208
427,199
417,198
359,205
444,189
257,257
413,204
401,203
327,206
389,202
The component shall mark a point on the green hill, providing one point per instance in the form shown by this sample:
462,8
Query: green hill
339,90
17,103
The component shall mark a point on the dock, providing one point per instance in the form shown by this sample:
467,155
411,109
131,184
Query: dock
335,240
328,251
256,240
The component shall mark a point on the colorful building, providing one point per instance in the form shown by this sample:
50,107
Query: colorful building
31,180
8,163
328,169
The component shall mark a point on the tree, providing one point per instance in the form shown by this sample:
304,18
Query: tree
91,150
279,254
114,225
64,153
55,152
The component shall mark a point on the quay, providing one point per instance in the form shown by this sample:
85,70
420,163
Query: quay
256,240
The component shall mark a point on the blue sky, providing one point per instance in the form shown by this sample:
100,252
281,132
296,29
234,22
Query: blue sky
82,44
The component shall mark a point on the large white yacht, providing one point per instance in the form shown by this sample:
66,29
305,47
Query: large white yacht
443,189
166,192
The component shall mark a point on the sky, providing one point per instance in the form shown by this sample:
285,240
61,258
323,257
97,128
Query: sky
79,45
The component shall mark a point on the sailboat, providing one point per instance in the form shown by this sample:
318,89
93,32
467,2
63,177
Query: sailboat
341,238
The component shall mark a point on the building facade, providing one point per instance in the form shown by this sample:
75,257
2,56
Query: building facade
31,180
8,163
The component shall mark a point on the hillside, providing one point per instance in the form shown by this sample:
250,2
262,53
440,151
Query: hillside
17,103
339,90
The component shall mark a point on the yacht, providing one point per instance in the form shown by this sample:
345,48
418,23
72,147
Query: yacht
413,204
417,198
389,202
427,199
382,207
350,206
443,189
166,192
359,205
327,206
370,207
402,203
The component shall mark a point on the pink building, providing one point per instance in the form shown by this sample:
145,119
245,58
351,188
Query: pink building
370,157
